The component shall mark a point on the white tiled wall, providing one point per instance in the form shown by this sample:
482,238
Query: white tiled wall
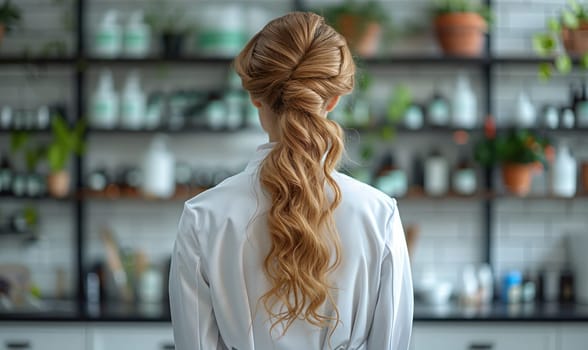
528,234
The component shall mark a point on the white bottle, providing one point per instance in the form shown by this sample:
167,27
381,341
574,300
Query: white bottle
137,36
150,290
465,106
468,286
104,106
564,173
108,37
158,169
525,112
436,175
133,103
486,284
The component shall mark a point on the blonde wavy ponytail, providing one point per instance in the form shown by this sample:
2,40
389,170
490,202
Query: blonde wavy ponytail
296,64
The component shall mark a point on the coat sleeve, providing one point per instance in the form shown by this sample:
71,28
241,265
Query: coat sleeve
194,324
392,323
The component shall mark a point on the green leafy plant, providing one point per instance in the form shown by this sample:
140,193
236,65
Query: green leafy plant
20,141
66,142
10,15
352,18
368,11
165,18
443,7
515,146
550,43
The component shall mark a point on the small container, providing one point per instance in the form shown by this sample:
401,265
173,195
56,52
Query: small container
137,36
565,174
529,288
486,281
158,169
582,109
108,36
512,287
465,107
104,105
133,103
390,178
567,118
550,117
566,286
150,290
438,111
469,286
436,175
584,174
526,114
413,117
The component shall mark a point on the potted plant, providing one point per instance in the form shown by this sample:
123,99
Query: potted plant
169,23
361,23
567,35
460,26
66,141
520,153
10,16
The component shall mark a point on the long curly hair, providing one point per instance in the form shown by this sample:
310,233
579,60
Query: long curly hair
296,64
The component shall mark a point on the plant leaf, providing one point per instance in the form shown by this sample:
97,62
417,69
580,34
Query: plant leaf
569,19
545,71
584,60
544,44
554,25
400,101
60,130
367,151
387,133
57,157
563,63
576,8
18,139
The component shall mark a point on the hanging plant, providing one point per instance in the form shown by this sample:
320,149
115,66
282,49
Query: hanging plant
566,36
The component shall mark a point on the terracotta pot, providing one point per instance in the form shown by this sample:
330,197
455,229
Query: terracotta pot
460,34
363,38
517,178
58,184
576,41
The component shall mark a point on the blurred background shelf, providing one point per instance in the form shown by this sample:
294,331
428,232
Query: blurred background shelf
399,59
185,130
39,61
135,196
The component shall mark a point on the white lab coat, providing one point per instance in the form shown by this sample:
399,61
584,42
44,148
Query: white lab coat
216,277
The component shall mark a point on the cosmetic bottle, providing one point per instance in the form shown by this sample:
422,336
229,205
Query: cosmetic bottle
464,180
137,36
391,179
436,174
108,38
438,111
525,111
104,106
133,103
564,173
6,175
158,169
581,109
464,108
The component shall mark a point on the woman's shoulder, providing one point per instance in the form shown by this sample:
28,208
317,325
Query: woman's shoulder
361,194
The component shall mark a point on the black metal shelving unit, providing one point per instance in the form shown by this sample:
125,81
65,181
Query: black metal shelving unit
80,62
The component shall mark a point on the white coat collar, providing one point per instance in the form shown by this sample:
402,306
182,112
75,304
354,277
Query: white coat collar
260,154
